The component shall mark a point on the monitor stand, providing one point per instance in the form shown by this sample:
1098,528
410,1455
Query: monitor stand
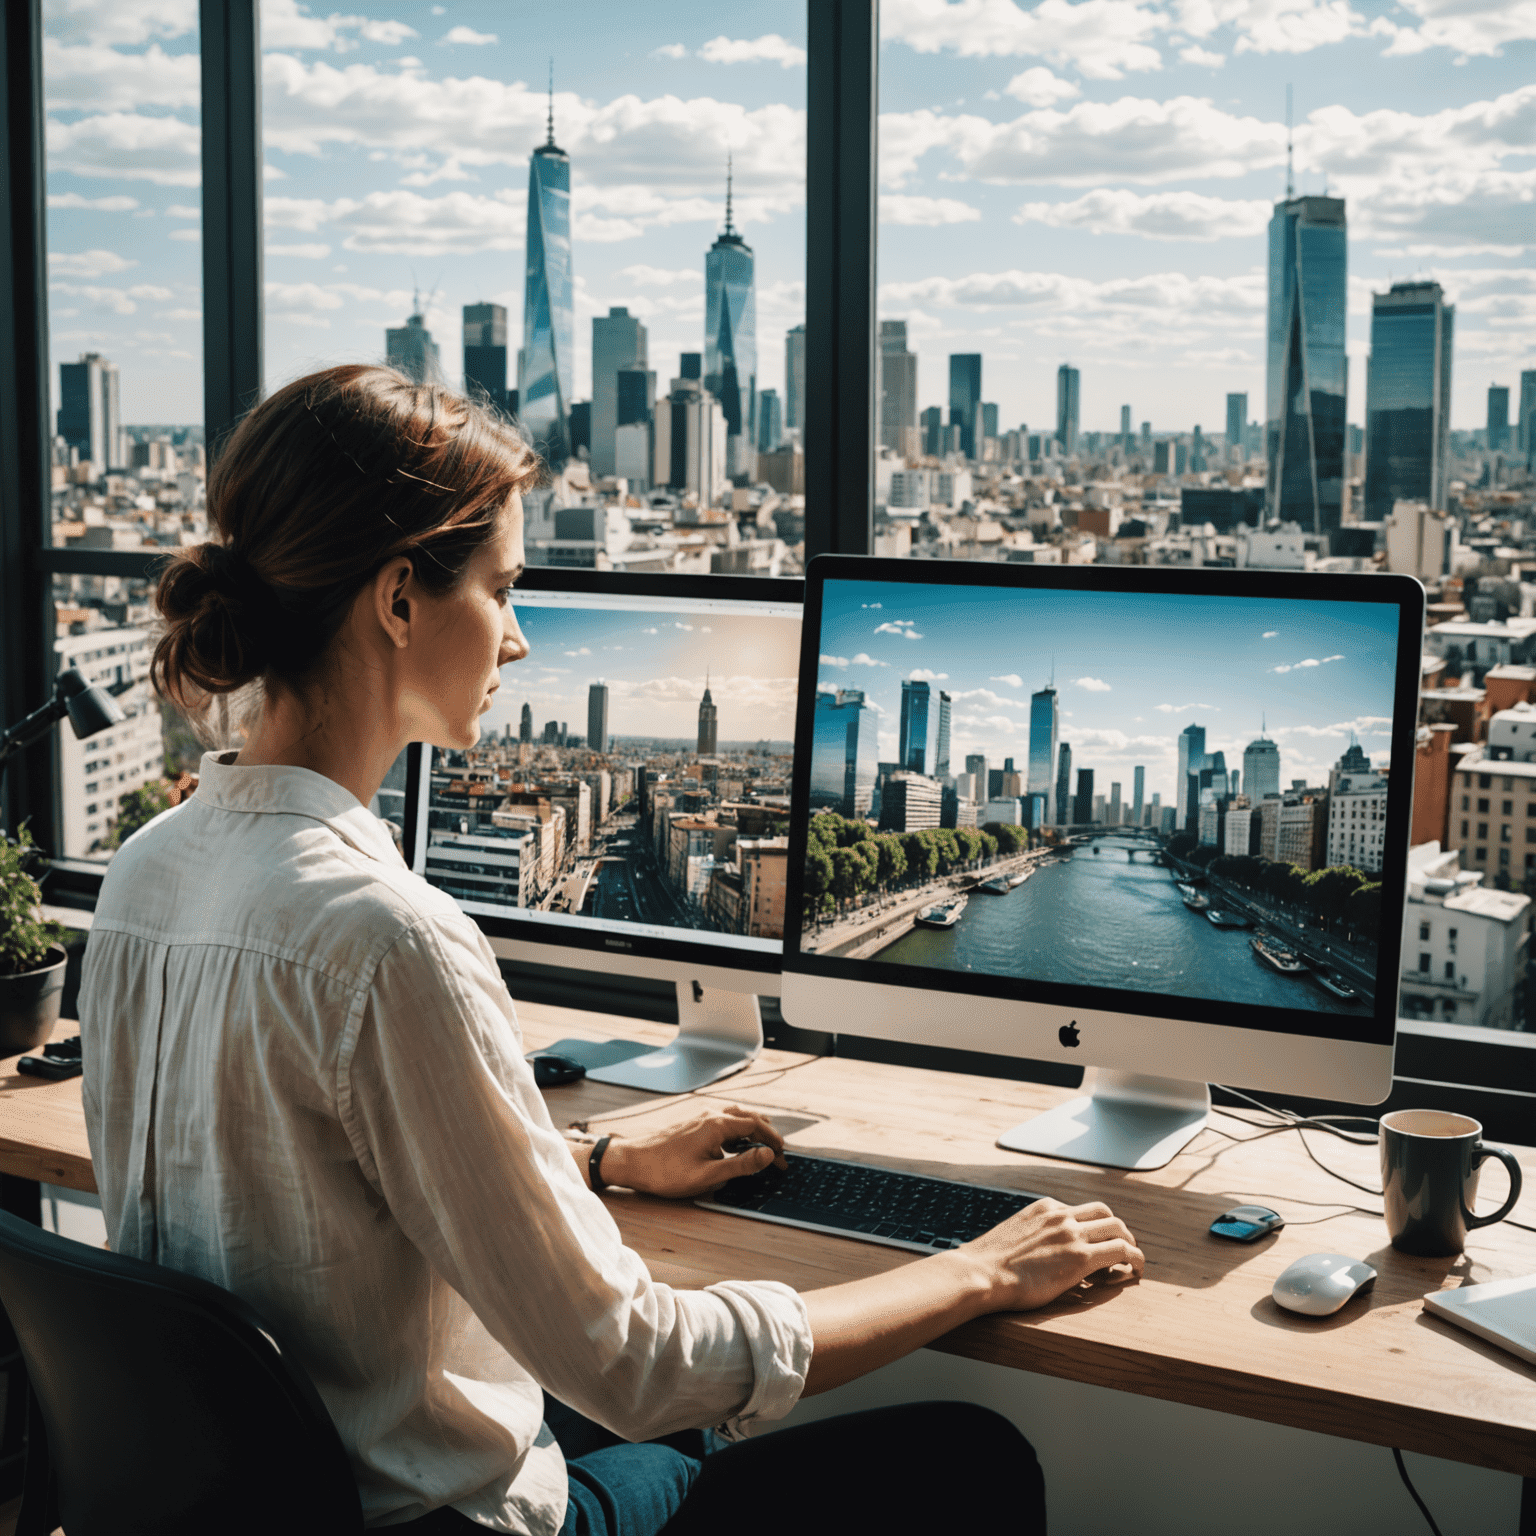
718,1033
1126,1120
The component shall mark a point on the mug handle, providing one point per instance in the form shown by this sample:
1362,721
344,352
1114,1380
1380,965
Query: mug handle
1509,1161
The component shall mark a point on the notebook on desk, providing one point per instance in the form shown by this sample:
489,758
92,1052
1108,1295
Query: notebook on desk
1501,1311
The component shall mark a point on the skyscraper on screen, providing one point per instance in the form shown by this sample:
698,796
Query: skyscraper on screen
1044,729
709,724
546,360
730,340
597,717
1261,768
917,742
1408,398
1306,371
844,753
1068,407
1064,782
1191,760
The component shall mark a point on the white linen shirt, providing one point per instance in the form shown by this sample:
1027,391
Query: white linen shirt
304,1082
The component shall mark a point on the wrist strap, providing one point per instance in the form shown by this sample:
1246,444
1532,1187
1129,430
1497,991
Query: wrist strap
595,1165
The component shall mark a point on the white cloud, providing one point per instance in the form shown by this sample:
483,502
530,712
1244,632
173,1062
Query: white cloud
902,627
863,659
114,22
1011,678
1092,684
126,144
1202,58
1100,38
1179,709
1039,87
1470,27
923,675
670,51
95,204
1310,661
467,37
308,252
896,208
824,659
584,651
678,624
406,222
96,77
1156,215
186,234
87,263
989,699
1270,634
769,48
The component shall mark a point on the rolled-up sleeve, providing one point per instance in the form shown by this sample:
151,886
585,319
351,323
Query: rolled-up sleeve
448,1127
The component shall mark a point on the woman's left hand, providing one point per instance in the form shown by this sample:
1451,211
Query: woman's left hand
690,1158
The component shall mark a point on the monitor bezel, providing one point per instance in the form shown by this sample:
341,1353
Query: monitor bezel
646,955
1055,998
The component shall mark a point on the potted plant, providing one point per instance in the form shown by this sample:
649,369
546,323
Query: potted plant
32,957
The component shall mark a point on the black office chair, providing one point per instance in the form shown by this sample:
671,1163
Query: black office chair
161,1404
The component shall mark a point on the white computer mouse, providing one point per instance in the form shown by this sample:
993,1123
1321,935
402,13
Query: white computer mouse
1321,1283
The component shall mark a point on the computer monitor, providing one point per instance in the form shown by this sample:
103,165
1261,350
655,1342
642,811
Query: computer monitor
1154,821
627,805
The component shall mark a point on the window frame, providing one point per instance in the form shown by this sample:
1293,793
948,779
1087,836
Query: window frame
1488,1073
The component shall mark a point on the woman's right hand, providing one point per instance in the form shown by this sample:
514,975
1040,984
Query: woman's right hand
1047,1248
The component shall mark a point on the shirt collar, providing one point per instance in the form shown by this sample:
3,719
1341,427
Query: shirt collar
280,790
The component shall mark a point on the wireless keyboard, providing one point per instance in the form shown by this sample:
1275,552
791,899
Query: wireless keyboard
875,1205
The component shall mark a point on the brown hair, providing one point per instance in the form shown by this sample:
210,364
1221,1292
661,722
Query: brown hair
321,485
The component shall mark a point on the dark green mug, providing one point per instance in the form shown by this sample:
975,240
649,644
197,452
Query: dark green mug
1429,1166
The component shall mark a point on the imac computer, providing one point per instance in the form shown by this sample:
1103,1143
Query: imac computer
1153,821
626,808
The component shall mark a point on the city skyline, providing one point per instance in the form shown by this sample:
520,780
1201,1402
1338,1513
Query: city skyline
1140,173
1310,676
656,664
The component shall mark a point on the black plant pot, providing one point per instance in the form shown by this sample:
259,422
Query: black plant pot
29,1004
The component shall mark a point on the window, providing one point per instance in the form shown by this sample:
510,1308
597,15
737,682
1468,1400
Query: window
1509,783
1424,963
1508,807
1504,833
1450,970
1482,831
1467,806
1423,932
1482,807
666,168
1484,781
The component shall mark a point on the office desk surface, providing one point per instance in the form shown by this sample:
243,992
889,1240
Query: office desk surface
1199,1328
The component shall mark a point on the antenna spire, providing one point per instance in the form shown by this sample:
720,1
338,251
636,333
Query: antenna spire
728,187
550,129
1290,187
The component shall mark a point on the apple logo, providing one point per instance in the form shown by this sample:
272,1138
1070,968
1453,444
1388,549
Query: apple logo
1067,1034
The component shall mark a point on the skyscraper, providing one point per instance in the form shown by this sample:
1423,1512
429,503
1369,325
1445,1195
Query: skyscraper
932,431
1261,769
845,753
965,397
896,380
770,421
411,349
618,342
1498,418
940,767
1044,729
1138,794
915,742
794,379
634,453
1306,372
1125,429
525,725
1237,421
89,418
1525,425
709,724
485,353
597,717
1064,782
976,766
730,340
546,359
1068,407
1082,806
1408,398
1191,760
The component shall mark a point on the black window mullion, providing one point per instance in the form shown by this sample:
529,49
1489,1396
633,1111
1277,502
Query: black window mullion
26,650
841,102
232,232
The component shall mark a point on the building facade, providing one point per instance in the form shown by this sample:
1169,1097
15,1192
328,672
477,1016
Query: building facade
89,416
1408,398
1068,407
965,398
1357,819
897,384
1044,734
597,717
485,354
709,725
411,349
845,751
1306,372
619,342
547,358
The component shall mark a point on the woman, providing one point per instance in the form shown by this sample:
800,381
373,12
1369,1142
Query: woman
305,1081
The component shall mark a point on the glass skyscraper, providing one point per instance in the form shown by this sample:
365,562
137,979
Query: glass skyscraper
965,397
1068,407
1044,728
1408,398
1306,376
845,753
730,340
545,363
597,717
917,745
485,353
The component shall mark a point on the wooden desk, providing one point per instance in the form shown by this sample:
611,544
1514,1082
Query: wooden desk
1200,1327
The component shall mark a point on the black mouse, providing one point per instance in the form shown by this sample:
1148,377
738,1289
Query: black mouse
556,1071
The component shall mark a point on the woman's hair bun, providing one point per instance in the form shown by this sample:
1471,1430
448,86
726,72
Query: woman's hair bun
214,625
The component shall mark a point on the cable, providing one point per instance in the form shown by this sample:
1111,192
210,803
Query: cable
677,1098
1402,1472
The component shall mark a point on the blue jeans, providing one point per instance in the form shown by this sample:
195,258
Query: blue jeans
919,1466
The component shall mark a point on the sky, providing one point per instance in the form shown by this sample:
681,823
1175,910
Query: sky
1084,182
1132,670
656,662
